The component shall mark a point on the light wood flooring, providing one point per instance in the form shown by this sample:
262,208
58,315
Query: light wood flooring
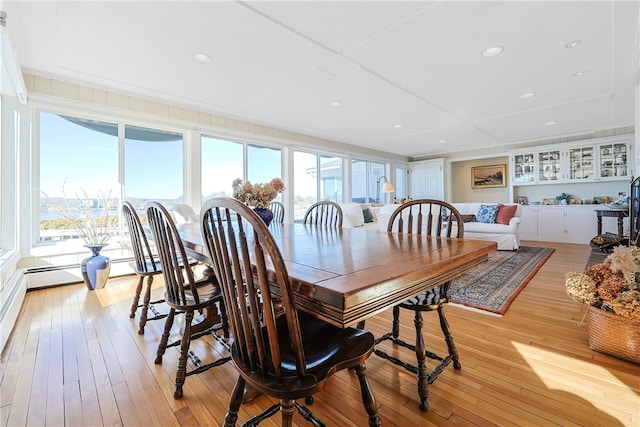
75,359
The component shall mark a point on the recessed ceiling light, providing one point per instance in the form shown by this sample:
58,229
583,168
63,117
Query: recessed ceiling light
579,74
442,141
573,44
201,58
528,95
550,123
398,126
492,51
335,104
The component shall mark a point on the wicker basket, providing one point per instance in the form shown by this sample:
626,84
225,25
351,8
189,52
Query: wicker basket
614,335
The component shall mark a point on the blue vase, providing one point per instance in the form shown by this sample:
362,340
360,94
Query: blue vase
265,214
95,269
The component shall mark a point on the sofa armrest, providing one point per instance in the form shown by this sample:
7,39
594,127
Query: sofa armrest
514,224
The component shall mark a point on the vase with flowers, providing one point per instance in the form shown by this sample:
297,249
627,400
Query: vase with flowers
611,289
258,196
93,222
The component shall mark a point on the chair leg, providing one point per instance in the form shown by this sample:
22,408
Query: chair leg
136,297
423,377
162,346
395,325
234,403
451,345
181,373
287,408
145,306
367,396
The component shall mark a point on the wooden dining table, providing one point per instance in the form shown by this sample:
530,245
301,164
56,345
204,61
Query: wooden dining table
345,276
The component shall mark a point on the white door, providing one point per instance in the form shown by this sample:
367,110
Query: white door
427,179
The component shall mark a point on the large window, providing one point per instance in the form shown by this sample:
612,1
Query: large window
153,166
78,162
367,179
309,186
221,164
263,163
331,178
305,182
401,183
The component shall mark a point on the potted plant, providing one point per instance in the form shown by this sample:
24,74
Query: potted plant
258,196
611,290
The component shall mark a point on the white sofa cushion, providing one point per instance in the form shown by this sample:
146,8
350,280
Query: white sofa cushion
384,214
352,216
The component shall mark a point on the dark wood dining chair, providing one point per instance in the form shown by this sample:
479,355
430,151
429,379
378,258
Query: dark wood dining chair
277,350
325,213
433,218
183,294
278,211
146,266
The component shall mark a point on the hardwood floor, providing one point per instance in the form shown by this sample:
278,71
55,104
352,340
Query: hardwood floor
75,358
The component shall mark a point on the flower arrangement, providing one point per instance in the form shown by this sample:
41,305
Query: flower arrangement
612,285
94,225
257,195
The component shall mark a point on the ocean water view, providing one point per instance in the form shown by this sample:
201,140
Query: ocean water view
57,214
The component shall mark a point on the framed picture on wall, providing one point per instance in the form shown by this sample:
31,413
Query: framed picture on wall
489,176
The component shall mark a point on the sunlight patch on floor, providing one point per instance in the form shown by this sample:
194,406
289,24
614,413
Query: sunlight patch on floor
566,374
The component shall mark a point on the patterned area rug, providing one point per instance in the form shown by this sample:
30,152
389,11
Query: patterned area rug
493,286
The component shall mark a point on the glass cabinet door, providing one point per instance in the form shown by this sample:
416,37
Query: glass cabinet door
613,160
523,168
549,165
581,163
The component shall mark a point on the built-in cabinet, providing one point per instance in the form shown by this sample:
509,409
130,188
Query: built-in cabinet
563,223
599,159
427,179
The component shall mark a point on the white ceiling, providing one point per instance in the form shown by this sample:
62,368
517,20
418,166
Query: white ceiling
415,63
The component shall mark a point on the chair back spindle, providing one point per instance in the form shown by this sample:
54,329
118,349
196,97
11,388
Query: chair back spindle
278,212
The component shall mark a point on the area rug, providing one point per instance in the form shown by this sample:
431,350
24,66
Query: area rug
493,286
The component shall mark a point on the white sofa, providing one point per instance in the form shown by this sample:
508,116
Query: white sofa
353,215
505,235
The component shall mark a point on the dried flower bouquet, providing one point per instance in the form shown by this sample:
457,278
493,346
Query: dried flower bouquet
257,195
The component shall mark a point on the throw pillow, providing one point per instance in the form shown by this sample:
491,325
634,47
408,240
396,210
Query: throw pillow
352,214
487,214
367,215
505,213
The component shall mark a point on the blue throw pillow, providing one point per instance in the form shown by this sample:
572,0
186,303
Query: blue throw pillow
367,215
487,214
